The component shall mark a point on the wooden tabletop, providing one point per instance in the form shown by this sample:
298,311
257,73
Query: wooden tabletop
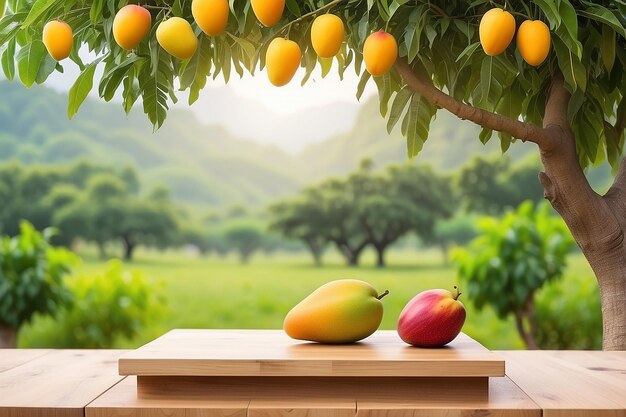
63,383
273,353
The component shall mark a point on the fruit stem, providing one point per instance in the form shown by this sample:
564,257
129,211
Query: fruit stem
382,295
458,293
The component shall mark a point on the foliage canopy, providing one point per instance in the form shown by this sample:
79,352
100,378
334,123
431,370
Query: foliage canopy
438,37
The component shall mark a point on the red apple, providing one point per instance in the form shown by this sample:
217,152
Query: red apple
432,318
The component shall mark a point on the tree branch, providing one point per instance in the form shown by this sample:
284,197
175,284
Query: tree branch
423,85
616,196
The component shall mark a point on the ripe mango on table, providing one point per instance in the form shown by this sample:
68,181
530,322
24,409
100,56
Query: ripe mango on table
342,311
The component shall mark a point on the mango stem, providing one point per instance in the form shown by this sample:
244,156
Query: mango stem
382,295
458,293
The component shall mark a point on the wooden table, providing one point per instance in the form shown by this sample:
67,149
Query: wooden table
62,383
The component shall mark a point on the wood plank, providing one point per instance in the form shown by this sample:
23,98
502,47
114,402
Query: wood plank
59,383
313,397
404,399
577,384
273,353
10,358
179,401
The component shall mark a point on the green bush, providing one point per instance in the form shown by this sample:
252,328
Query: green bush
31,279
569,317
511,259
108,306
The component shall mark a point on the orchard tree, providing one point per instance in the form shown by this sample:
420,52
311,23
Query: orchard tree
571,106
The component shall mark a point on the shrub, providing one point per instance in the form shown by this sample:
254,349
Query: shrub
31,279
108,306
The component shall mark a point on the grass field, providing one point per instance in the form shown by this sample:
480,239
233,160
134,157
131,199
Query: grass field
217,292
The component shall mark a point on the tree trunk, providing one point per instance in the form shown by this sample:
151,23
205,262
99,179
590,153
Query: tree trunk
129,247
380,256
598,224
102,251
8,337
526,335
316,252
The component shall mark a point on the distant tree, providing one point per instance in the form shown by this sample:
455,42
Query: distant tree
304,220
511,259
31,279
146,223
457,230
245,236
494,185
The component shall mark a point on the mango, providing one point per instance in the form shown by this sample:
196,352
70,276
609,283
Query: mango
496,31
58,39
282,60
268,12
342,311
131,24
210,15
533,41
176,36
380,51
327,34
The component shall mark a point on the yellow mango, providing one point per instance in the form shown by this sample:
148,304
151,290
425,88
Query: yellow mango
496,31
58,39
176,36
342,311
282,61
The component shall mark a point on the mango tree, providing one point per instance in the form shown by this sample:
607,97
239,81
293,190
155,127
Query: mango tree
570,105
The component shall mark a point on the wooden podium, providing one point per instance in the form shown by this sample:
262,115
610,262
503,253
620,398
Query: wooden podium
264,373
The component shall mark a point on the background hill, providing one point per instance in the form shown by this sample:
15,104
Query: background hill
205,164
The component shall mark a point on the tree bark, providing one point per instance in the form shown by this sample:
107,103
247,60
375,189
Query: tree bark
8,337
526,335
597,223
316,251
380,256
129,247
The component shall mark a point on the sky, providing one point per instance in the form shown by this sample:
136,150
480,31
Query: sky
290,117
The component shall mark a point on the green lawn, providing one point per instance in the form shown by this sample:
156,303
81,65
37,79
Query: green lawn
221,293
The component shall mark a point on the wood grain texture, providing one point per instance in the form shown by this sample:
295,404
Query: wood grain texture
10,358
272,353
571,383
313,397
59,383
122,401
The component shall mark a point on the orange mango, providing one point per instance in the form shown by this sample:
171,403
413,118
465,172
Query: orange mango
58,39
268,12
533,41
496,31
282,60
131,25
380,51
342,311
176,36
210,15
327,34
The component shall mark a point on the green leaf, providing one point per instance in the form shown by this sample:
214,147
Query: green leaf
36,11
418,118
399,103
29,60
604,15
362,83
293,7
607,48
573,70
155,89
8,60
3,7
569,18
48,65
551,10
486,77
95,13
326,64
80,90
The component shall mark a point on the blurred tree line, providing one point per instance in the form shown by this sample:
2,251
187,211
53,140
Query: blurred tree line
378,208
368,208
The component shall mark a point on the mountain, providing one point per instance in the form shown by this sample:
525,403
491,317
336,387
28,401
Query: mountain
200,164
206,165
